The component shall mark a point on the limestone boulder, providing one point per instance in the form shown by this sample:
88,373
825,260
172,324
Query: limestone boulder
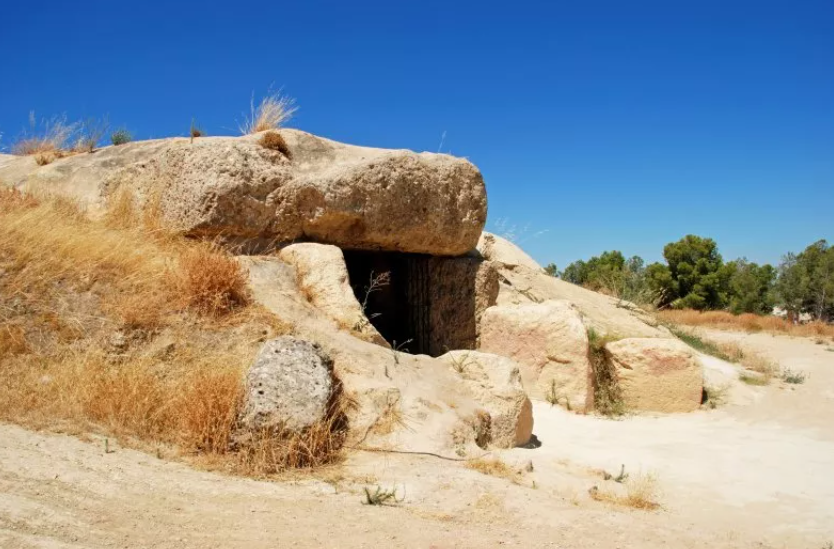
323,191
549,341
322,276
289,386
495,383
657,375
501,250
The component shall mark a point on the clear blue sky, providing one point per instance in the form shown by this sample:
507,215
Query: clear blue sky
609,125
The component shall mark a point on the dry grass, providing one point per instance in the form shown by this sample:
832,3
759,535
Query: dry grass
274,141
210,281
746,322
272,112
186,334
494,467
639,492
50,137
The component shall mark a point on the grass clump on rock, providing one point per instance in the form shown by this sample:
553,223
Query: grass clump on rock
274,141
608,398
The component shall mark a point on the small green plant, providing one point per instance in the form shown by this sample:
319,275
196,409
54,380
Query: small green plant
622,477
396,349
758,381
459,362
382,497
793,377
120,137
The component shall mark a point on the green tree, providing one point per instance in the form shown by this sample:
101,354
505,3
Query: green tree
750,287
612,273
694,276
806,282
552,269
791,285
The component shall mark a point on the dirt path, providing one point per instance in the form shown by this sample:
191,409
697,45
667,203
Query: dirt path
757,475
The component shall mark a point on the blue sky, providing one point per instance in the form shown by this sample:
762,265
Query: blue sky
597,125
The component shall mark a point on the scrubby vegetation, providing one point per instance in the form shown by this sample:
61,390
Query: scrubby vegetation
694,276
120,137
746,322
135,333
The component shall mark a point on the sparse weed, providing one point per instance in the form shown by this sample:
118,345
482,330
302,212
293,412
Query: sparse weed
622,477
793,377
195,130
382,497
91,131
641,492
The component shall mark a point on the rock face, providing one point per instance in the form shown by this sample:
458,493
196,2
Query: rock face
322,277
458,293
523,282
549,341
495,383
501,250
289,386
353,197
657,375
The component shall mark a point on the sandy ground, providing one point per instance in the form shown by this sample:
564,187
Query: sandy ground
753,474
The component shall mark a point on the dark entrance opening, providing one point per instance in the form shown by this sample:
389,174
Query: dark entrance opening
428,301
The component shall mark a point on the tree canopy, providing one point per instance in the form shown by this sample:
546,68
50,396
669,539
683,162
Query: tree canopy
694,275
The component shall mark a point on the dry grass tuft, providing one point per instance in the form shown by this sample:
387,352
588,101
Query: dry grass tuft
494,467
210,281
273,111
274,141
641,492
746,322
50,140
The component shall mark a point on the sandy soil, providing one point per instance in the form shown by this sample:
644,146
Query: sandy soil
756,474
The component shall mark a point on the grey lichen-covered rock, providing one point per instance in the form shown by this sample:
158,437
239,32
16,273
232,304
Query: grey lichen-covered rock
289,386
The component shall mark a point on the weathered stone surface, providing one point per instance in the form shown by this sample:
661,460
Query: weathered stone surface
288,386
495,383
524,282
459,291
501,250
353,197
549,341
322,277
657,375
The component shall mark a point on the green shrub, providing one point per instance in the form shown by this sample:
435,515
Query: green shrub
120,137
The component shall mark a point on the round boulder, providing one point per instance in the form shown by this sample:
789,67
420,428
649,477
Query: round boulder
289,386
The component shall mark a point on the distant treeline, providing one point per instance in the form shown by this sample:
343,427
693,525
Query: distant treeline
694,276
